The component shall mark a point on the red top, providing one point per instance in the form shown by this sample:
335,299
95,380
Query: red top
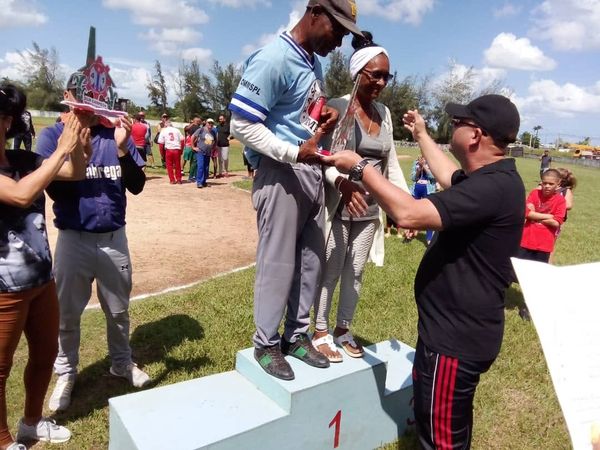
138,134
537,236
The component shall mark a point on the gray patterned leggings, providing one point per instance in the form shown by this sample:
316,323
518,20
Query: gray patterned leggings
348,247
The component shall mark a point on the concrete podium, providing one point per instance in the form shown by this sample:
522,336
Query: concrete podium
357,404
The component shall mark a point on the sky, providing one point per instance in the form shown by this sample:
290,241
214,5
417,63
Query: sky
547,53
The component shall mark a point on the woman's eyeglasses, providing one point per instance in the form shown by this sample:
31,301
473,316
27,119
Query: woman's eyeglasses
376,76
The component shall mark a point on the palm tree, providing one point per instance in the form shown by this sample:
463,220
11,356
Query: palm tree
537,128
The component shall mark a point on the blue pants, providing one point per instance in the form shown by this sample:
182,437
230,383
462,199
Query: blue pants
203,162
420,191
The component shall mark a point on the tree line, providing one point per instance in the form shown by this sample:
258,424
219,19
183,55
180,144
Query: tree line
208,93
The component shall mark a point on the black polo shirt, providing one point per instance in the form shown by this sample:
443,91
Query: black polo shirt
461,281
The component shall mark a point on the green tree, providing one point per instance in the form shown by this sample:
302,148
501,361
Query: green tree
526,137
458,86
221,88
338,81
157,89
586,141
529,139
190,92
44,81
399,97
537,129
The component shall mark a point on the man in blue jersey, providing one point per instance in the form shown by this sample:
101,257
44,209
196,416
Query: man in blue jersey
277,112
92,244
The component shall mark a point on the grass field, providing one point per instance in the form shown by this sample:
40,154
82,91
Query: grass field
197,332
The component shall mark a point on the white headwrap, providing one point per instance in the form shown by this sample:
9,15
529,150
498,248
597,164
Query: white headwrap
361,57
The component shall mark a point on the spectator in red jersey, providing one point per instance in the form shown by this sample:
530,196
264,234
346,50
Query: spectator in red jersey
139,131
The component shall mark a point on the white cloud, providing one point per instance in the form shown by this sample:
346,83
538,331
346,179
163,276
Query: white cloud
480,79
169,41
202,55
568,24
241,3
13,63
19,13
507,10
293,18
131,83
171,14
509,52
408,11
565,100
10,66
181,35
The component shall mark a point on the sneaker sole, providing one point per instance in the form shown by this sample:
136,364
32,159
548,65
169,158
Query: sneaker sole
56,441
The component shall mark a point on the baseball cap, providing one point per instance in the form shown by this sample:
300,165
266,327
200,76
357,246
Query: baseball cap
344,11
210,121
495,114
164,115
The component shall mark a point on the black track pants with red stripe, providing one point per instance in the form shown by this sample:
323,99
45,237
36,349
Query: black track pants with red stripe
444,388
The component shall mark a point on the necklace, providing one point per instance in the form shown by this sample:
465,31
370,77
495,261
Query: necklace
370,123
368,115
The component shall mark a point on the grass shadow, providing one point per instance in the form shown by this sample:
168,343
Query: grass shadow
151,343
514,297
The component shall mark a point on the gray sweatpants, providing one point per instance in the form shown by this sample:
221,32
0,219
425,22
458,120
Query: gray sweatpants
348,247
80,258
288,199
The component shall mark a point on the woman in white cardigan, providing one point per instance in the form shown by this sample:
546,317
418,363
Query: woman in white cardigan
354,226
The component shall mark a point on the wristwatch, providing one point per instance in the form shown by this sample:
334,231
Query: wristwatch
356,172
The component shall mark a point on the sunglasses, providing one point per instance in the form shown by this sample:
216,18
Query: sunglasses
376,76
456,123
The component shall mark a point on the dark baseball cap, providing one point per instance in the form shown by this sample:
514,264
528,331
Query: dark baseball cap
344,11
495,114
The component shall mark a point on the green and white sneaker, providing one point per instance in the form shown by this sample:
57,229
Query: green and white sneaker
303,349
272,361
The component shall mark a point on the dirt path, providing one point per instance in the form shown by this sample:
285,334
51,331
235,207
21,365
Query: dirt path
179,234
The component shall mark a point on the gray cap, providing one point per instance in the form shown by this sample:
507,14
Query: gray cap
344,11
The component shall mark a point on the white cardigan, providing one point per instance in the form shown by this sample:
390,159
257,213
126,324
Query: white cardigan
392,172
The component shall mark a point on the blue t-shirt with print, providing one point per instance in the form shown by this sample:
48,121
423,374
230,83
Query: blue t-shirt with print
97,203
280,86
25,260
205,140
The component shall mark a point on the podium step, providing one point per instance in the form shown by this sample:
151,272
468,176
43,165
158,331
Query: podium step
357,404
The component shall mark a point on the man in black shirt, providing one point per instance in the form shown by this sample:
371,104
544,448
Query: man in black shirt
26,136
461,281
223,135
545,161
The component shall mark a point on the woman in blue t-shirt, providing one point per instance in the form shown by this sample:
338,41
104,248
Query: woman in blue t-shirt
28,301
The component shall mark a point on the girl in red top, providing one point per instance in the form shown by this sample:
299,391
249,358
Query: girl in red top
545,212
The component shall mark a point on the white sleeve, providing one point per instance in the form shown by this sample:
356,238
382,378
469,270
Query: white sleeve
161,137
258,137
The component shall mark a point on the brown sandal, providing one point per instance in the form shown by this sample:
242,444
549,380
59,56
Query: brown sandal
350,346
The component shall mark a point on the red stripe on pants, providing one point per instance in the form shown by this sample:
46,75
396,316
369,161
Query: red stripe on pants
453,367
439,387
442,407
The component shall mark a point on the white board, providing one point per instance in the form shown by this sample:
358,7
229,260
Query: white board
564,303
